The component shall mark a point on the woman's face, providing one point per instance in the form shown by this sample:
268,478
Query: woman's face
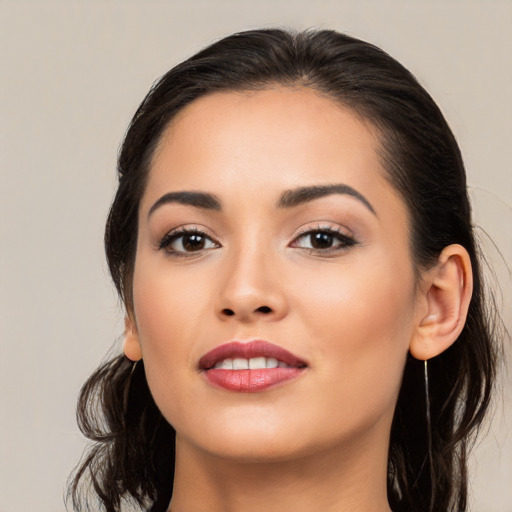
292,235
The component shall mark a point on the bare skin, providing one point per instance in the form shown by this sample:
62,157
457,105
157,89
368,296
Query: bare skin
352,308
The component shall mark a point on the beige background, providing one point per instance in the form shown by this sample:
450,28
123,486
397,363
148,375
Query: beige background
72,74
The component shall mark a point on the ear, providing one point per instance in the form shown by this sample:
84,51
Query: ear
131,346
447,289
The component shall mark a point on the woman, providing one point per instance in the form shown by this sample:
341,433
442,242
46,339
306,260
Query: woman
291,238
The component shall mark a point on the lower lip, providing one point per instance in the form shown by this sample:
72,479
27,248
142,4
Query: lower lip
251,381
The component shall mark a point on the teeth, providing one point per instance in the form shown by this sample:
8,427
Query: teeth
227,364
255,363
272,363
240,364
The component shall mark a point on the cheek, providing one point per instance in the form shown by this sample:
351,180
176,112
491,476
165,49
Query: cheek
168,301
170,311
363,321
358,299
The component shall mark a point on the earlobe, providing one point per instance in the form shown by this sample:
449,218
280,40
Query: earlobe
131,347
447,288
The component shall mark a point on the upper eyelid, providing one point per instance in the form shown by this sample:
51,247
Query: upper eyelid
188,228
325,227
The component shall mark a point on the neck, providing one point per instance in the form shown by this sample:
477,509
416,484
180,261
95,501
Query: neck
337,480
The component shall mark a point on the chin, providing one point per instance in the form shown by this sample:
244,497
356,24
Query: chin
254,451
263,441
246,441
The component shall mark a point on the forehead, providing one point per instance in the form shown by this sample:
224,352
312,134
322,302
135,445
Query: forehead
264,142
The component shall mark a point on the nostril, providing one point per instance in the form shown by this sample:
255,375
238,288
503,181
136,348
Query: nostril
264,309
228,312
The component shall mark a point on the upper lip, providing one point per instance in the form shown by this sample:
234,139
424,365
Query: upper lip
248,350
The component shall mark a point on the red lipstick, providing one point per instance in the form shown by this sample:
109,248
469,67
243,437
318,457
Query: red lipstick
262,365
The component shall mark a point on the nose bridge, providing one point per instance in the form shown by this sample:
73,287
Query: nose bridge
250,286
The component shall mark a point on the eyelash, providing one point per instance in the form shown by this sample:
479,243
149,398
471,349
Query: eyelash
173,236
345,240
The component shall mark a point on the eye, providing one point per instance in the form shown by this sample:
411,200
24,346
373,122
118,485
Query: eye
323,240
186,241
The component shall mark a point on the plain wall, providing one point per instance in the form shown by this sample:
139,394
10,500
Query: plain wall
72,74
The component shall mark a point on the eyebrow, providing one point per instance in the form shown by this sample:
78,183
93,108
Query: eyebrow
297,196
197,199
289,199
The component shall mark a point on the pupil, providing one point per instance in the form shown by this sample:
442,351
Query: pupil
193,242
321,240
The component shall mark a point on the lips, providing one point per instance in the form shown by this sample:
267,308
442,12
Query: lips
250,350
281,366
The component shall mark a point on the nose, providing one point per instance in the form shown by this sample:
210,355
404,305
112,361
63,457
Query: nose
250,288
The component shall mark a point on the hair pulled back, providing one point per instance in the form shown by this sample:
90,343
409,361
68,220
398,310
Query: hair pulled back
132,457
